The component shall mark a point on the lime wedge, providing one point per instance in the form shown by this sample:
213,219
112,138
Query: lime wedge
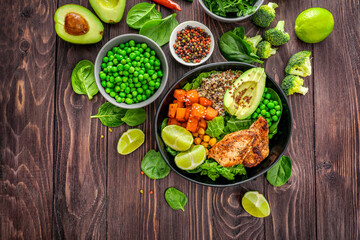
314,24
130,141
176,137
192,158
256,204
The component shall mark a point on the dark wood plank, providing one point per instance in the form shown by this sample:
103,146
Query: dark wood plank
27,67
211,213
80,164
337,119
293,209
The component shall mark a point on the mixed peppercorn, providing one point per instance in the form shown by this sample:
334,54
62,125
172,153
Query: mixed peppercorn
192,44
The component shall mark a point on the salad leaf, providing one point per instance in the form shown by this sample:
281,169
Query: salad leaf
215,127
227,8
164,123
214,170
154,166
275,97
171,151
234,47
134,117
110,115
197,81
83,79
234,124
160,30
280,173
175,198
140,14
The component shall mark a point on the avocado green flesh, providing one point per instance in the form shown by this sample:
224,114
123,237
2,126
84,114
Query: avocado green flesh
109,11
95,30
245,95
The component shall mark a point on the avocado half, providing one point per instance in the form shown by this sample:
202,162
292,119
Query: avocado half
109,11
76,24
242,99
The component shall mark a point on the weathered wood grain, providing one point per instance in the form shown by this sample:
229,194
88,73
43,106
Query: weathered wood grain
337,121
80,163
27,67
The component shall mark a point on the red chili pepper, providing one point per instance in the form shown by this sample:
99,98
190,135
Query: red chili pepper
169,4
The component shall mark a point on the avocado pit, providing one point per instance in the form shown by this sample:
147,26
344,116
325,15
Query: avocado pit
75,24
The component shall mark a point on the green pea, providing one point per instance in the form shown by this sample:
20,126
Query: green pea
266,101
127,90
157,85
105,59
268,120
270,105
148,50
157,63
265,90
118,56
254,115
151,62
147,65
128,50
115,74
109,84
160,73
272,111
152,53
129,95
110,64
103,65
262,106
112,94
118,99
122,94
278,113
139,97
113,69
144,97
111,58
131,70
117,89
125,73
144,46
263,112
276,103
274,118
125,79
102,75
277,108
115,61
134,93
123,53
141,77
147,92
128,100
146,76
154,76
139,90
110,53
267,114
258,110
268,95
150,72
137,85
151,84
144,86
152,88
103,83
105,70
118,79
107,90
112,79
269,123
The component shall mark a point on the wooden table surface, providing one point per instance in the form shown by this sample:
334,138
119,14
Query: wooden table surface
59,179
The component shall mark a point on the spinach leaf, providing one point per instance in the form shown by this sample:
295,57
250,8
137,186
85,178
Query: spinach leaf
280,173
140,14
215,127
164,123
83,79
196,170
110,115
134,117
160,30
197,81
234,124
154,166
275,97
229,8
234,48
171,151
175,198
214,170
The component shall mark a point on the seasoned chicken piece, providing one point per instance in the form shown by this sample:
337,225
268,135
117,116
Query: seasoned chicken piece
248,147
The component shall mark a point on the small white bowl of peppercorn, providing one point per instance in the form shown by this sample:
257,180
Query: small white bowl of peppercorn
191,43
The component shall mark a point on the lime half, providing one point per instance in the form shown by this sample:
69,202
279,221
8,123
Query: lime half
130,141
192,158
256,204
314,24
176,137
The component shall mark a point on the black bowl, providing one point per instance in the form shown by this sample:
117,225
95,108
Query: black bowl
277,144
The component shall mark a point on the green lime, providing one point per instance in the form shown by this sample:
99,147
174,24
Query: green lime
176,137
255,204
192,158
130,141
314,24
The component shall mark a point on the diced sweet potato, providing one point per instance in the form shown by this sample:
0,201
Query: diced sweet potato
202,123
210,113
205,102
179,94
187,113
179,104
180,114
197,111
172,121
192,96
172,110
192,124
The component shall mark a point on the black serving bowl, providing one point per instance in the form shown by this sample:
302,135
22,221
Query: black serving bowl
277,144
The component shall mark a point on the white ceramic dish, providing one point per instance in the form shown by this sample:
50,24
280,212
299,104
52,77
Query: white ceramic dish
181,27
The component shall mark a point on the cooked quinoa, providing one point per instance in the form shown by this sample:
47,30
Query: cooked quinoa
215,86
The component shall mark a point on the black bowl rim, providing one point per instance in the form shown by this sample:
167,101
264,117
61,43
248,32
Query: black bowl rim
214,65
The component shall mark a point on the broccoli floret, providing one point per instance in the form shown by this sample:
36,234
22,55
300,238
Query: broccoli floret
277,36
264,50
299,64
264,15
293,84
253,42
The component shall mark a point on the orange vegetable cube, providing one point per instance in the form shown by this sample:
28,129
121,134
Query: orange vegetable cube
180,114
192,124
172,121
210,113
192,96
179,104
172,110
184,124
205,102
197,111
179,94
202,123
187,113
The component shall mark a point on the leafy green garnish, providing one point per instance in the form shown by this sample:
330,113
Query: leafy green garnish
231,8
110,115
83,79
171,151
175,198
134,117
214,170
196,82
154,166
164,123
160,30
140,14
280,173
234,124
215,127
234,47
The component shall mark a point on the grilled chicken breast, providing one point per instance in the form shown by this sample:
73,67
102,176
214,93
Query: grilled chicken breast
248,147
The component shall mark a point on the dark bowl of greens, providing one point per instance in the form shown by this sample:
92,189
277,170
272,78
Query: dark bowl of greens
230,11
277,144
